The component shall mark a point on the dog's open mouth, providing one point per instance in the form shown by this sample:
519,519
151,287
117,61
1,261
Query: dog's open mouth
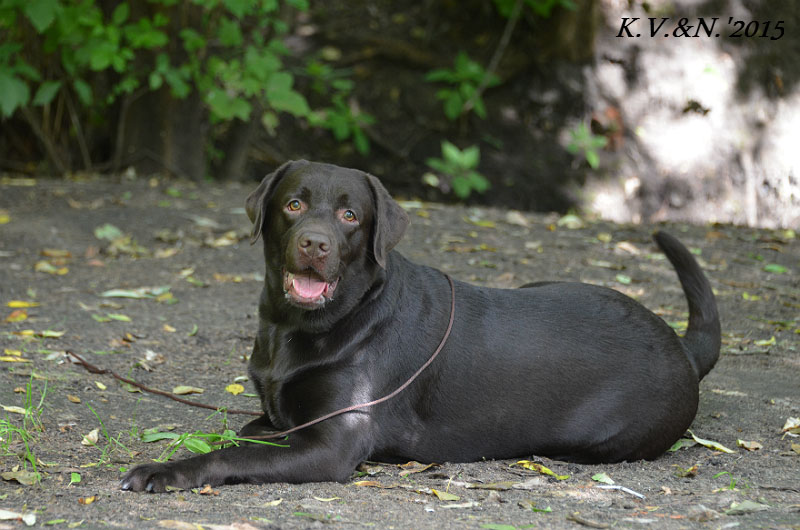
307,289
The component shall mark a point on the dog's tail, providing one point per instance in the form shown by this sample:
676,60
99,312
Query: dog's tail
702,339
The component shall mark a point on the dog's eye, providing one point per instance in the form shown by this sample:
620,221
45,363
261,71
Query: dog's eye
349,215
294,205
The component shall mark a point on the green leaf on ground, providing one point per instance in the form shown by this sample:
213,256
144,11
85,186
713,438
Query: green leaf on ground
445,496
186,389
746,506
108,232
602,477
774,268
680,444
711,444
141,292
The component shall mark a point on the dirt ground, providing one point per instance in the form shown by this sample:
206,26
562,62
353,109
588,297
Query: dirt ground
193,238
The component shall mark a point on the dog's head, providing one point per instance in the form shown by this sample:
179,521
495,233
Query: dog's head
326,231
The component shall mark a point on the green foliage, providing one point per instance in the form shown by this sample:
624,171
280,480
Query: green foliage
229,51
343,118
582,141
198,442
542,8
732,481
465,77
460,167
111,443
12,434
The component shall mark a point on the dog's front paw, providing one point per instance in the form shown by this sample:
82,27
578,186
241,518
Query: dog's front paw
156,478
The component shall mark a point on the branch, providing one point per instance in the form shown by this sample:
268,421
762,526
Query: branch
52,153
92,369
116,158
76,122
511,23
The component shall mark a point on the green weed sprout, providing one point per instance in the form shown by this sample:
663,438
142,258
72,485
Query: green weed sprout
465,77
583,141
460,166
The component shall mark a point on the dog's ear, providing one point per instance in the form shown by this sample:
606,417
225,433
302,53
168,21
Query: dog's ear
389,223
256,203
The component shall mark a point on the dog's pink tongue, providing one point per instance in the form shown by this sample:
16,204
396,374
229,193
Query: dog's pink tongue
307,286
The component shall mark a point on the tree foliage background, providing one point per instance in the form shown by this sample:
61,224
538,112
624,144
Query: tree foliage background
499,101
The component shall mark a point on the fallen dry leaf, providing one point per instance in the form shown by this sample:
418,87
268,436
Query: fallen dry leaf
56,253
722,392
373,484
363,467
141,292
6,515
234,388
18,315
504,485
445,496
461,505
14,359
163,253
23,476
91,438
49,268
533,466
46,334
226,239
186,389
49,334
235,278
571,222
177,525
746,506
208,490
792,425
414,467
711,444
629,248
750,446
20,304
513,217
577,518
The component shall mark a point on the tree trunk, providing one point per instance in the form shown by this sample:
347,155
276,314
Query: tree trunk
166,134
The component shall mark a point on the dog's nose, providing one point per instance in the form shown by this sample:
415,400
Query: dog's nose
313,244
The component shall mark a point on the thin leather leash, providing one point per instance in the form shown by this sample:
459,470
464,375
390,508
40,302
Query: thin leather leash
95,370
386,397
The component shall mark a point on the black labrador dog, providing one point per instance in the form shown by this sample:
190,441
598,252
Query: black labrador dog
570,371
